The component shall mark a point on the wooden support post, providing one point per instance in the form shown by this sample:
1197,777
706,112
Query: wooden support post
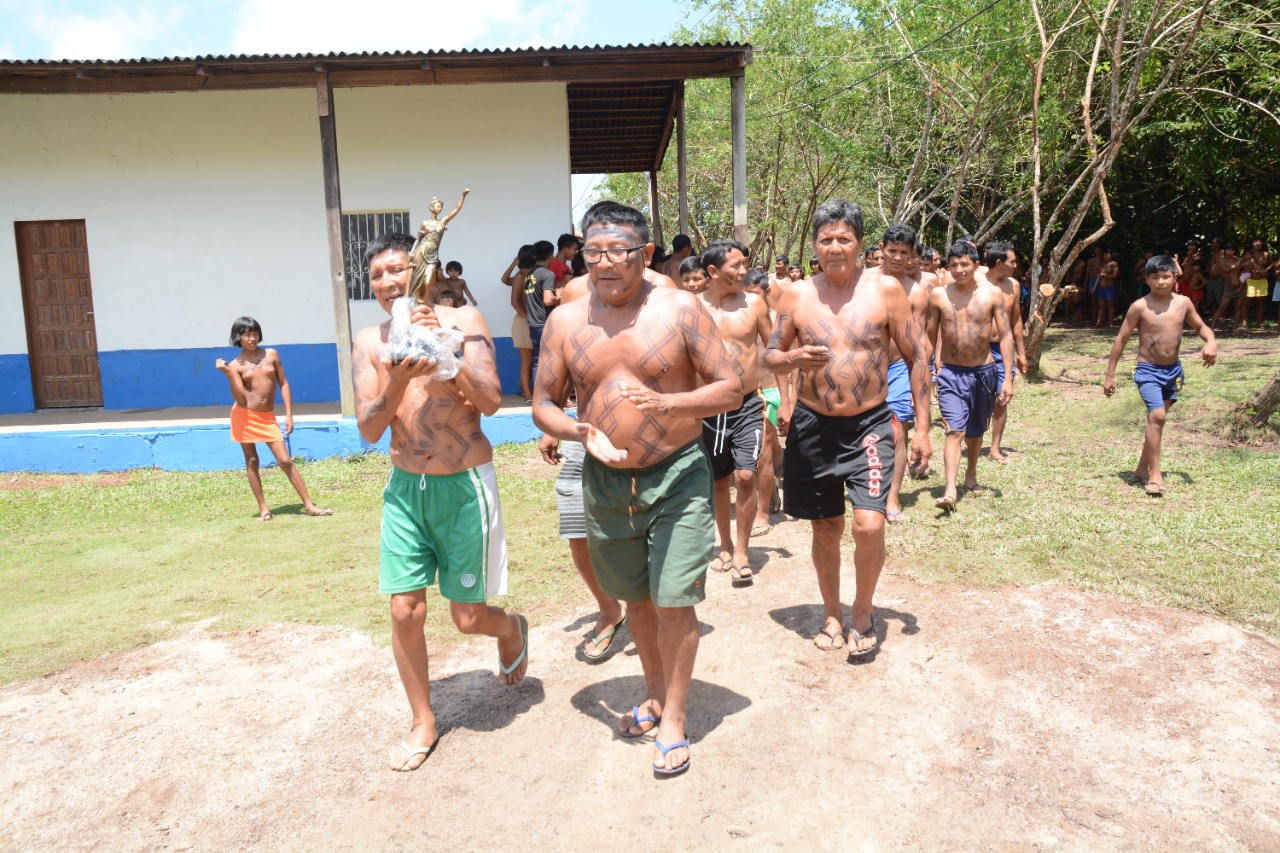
738,93
682,179
653,206
333,221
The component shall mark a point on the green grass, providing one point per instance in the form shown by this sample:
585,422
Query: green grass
89,569
1066,509
96,564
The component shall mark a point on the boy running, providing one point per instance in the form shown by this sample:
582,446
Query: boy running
253,376
440,512
964,316
1159,318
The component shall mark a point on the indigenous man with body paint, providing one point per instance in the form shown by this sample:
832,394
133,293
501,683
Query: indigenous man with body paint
440,514
963,317
648,365
733,439
842,432
1002,264
901,261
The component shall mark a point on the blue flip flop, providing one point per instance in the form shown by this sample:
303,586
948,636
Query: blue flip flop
679,768
637,719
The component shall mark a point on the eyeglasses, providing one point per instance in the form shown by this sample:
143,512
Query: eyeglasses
616,255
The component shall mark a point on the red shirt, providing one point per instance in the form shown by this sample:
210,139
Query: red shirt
560,268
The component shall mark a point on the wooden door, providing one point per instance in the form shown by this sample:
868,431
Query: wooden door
62,345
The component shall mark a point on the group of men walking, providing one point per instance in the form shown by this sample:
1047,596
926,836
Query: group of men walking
670,416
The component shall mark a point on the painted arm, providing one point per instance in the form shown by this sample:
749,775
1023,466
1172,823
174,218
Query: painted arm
550,386
380,385
907,335
779,356
477,378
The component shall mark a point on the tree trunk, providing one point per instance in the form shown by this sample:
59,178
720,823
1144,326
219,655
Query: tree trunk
1266,401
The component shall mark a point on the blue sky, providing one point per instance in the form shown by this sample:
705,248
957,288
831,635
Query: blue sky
130,29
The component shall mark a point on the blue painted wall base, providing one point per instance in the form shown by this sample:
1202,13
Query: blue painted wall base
203,447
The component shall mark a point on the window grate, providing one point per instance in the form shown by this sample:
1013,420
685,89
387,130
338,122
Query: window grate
357,230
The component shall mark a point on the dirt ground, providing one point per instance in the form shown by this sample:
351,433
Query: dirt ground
1016,718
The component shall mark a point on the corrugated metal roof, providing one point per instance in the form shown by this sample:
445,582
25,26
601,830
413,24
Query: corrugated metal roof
343,57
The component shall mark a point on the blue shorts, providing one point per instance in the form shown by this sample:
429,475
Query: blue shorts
967,397
1013,368
899,398
1093,285
1106,294
1158,382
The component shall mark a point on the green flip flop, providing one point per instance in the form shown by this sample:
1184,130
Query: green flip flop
607,635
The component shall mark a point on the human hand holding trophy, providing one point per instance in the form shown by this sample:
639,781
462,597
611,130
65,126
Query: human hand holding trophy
416,331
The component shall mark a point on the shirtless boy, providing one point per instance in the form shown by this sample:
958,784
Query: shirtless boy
898,247
1158,318
842,432
964,317
1002,264
453,281
780,278
1228,267
1108,273
681,251
732,439
253,376
692,277
649,366
440,512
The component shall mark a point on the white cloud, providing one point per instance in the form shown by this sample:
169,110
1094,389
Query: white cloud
114,34
324,26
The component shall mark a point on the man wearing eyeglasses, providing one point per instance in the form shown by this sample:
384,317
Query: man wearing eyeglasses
648,365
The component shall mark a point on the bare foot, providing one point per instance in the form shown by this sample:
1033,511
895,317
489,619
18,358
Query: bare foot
416,748
515,650
1155,487
1140,474
315,510
265,515
996,456
974,486
648,708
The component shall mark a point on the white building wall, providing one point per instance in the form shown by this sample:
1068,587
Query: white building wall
203,206
509,144
198,207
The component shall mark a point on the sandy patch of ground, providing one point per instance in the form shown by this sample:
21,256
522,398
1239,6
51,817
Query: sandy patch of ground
1010,718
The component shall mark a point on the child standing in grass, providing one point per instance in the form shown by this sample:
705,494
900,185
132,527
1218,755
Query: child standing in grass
1159,318
253,376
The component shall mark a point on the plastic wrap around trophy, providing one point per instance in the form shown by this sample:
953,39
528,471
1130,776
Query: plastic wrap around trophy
405,340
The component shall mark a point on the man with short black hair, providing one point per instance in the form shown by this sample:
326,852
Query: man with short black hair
648,366
841,440
1002,264
681,248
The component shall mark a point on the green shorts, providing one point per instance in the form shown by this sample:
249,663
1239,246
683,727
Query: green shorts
772,402
446,523
651,531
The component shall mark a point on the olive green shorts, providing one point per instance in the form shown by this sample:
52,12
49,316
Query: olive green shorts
651,531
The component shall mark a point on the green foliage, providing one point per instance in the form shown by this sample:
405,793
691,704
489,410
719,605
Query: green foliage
921,110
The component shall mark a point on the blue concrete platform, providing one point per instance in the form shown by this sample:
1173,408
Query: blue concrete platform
193,440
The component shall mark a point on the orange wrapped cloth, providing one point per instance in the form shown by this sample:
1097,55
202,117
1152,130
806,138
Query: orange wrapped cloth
248,427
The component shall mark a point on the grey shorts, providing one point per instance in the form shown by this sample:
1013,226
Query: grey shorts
573,524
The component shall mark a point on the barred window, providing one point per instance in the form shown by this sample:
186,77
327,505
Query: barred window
357,230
